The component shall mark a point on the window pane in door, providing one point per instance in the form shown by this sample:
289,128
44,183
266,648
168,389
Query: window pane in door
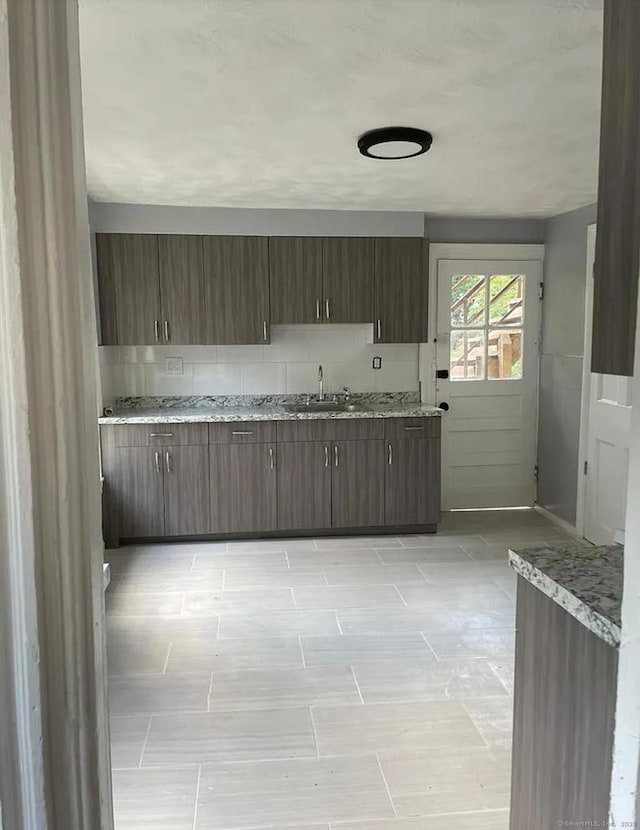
504,354
468,354
468,300
506,299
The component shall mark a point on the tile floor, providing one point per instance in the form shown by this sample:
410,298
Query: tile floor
329,684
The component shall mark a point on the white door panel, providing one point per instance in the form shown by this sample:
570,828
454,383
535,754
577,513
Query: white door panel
488,321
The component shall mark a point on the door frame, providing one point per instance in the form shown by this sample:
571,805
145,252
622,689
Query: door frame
586,380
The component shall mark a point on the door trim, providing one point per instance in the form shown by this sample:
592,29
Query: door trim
586,381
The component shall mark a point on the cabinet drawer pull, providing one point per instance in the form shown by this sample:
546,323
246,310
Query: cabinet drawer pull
264,331
335,455
167,336
157,454
272,460
167,461
327,310
326,456
378,329
156,329
242,432
318,309
389,454
409,429
161,435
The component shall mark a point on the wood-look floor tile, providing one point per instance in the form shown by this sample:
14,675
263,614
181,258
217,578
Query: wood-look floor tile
127,740
150,561
372,574
156,584
279,688
273,577
352,542
393,680
493,717
400,620
448,597
152,694
168,627
362,648
143,604
270,545
198,604
282,793
277,623
329,558
249,735
443,539
389,727
486,642
464,573
130,653
485,820
368,596
206,563
155,799
504,669
424,554
200,653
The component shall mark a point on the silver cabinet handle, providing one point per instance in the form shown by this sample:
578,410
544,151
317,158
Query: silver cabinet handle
242,432
167,461
167,336
389,454
408,429
157,454
264,330
326,456
378,329
161,435
318,309
272,460
335,455
156,329
327,310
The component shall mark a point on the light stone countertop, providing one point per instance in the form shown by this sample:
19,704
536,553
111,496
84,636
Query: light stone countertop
584,580
190,415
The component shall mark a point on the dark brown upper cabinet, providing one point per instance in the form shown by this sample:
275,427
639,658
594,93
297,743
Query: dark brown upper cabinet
129,288
618,230
295,274
347,280
181,288
401,290
236,289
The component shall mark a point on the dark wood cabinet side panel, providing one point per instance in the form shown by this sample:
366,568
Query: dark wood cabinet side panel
565,689
295,275
357,496
181,288
401,290
137,288
347,276
106,291
108,464
137,492
412,482
243,488
304,485
617,256
186,490
236,289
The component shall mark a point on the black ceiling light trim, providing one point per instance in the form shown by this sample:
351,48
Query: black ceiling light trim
371,143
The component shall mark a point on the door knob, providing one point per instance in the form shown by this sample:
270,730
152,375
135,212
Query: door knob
444,406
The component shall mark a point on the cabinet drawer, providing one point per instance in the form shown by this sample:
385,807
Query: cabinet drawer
396,429
159,435
242,432
357,429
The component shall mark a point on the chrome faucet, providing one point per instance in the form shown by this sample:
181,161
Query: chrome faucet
320,383
347,394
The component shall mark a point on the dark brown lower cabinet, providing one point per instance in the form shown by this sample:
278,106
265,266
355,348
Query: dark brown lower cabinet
304,485
243,488
138,494
564,709
412,481
186,490
357,496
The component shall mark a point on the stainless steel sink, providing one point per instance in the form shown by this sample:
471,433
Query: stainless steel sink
322,406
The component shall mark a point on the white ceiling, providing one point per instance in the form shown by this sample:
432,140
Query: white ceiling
258,103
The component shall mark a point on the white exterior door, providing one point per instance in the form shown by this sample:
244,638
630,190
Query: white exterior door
608,435
488,323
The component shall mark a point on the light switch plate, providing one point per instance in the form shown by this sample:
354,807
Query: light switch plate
174,366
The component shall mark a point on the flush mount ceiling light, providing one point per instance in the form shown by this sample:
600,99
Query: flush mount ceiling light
394,143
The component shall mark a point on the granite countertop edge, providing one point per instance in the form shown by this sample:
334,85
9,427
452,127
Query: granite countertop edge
176,415
579,608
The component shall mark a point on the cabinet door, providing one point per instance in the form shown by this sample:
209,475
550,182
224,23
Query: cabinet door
618,236
401,290
295,275
137,492
186,490
304,485
236,289
106,291
347,274
357,496
181,288
412,482
243,488
131,263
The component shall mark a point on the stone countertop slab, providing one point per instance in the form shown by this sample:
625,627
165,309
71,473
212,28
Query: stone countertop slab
187,415
584,580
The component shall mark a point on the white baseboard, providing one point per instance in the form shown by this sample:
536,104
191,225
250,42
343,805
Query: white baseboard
556,520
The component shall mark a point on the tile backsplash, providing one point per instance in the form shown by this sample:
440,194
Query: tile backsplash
288,365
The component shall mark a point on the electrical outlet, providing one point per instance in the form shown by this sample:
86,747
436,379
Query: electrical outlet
173,366
377,363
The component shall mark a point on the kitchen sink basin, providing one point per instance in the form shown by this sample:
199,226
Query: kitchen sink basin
322,406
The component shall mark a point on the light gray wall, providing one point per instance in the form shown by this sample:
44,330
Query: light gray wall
498,231
561,360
